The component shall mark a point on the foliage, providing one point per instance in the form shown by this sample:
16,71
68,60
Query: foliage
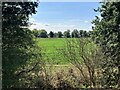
83,33
42,33
107,35
51,34
18,46
35,32
86,56
67,34
75,33
55,35
60,34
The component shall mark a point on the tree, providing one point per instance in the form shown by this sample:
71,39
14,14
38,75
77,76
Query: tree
42,33
75,33
77,53
51,34
35,32
90,33
106,33
60,34
17,42
67,34
55,35
85,34
81,33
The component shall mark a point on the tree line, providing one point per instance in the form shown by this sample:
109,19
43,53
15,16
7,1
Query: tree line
66,34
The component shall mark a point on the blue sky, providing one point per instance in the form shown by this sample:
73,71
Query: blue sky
60,16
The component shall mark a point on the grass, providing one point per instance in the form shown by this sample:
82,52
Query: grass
58,66
59,69
49,47
50,44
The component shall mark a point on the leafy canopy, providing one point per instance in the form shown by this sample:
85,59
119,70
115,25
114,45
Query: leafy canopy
17,40
107,35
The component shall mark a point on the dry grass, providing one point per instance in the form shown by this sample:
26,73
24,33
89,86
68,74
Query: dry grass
67,75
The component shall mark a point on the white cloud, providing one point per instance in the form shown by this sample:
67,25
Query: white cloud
60,26
86,21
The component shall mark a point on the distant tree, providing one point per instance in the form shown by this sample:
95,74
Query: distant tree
85,34
59,34
55,35
51,34
35,32
81,33
67,34
75,33
42,33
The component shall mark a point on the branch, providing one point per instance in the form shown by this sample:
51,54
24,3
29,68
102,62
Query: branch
26,71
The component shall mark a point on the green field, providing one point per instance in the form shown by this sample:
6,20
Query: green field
51,46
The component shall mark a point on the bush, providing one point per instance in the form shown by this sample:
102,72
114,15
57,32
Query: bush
87,57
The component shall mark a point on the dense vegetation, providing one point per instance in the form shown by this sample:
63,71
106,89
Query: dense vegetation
18,48
31,59
107,35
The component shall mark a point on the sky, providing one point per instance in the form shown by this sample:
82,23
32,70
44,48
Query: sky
61,16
